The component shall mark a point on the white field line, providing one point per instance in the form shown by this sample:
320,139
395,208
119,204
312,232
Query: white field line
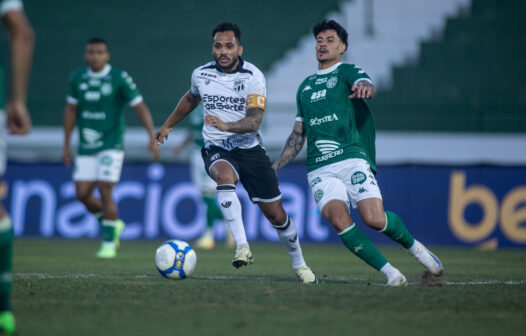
226,277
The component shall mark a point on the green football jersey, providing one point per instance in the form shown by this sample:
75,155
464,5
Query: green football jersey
196,124
100,99
337,128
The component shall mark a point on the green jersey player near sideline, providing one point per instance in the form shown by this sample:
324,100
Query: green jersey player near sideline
97,93
339,128
21,40
201,180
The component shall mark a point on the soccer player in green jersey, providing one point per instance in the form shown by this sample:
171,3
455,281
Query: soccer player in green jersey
201,180
339,129
97,94
21,39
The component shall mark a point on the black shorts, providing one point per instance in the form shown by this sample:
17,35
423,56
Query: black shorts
253,168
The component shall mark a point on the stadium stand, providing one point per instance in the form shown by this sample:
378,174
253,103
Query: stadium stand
471,80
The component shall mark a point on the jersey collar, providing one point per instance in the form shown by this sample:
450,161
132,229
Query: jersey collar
101,73
328,70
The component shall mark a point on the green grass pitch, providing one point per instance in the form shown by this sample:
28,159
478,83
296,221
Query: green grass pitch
60,288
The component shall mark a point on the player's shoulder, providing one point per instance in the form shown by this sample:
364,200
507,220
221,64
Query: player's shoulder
349,67
250,68
205,70
118,72
79,73
307,80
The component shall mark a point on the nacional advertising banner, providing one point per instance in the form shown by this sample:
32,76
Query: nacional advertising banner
441,205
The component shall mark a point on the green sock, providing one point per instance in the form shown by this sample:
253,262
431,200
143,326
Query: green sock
99,216
212,211
359,244
397,231
108,230
6,256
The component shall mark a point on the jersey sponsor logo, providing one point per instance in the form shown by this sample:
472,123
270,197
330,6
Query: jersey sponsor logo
314,182
358,178
320,81
318,121
239,85
92,96
106,89
217,102
307,88
255,100
88,115
94,82
318,95
328,149
332,82
92,138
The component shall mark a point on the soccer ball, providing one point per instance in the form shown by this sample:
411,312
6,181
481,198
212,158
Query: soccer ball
175,259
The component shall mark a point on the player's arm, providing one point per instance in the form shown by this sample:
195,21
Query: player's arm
144,115
70,119
251,121
293,146
186,105
22,41
363,88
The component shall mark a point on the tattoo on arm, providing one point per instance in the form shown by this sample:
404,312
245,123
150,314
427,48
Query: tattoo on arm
293,145
250,123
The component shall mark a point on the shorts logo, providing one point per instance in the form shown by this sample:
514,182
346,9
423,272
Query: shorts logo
226,204
332,82
361,190
318,194
358,178
214,157
106,160
315,181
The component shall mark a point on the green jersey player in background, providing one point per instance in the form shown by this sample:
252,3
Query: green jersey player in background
19,122
97,94
338,126
201,180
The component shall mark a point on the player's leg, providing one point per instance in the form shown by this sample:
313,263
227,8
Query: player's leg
7,320
109,170
222,167
85,175
287,233
372,212
331,196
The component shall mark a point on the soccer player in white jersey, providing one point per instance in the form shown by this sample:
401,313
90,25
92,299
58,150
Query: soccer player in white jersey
233,94
97,94
339,129
21,40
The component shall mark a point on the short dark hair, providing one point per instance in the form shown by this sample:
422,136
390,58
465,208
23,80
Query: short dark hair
325,25
97,40
228,26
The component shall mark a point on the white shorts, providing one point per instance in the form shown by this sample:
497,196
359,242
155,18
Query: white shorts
3,142
198,174
104,166
349,180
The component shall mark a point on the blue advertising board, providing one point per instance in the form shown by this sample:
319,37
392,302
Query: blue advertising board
441,205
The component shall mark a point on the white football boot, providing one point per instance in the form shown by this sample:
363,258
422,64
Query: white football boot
426,258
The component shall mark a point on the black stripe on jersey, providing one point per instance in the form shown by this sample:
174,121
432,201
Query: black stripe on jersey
211,66
239,67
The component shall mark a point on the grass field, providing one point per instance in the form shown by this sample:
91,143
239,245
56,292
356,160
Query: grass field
61,289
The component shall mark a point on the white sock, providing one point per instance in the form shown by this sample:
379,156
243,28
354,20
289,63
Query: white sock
289,237
390,272
231,210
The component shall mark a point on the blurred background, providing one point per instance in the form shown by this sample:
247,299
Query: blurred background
450,113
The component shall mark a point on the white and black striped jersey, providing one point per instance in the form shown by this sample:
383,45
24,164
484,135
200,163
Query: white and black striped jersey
227,96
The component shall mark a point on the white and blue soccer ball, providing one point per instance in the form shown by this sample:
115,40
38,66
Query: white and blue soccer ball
175,259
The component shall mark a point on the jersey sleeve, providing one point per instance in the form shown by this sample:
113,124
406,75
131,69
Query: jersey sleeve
257,91
73,90
194,89
299,114
10,5
129,90
355,74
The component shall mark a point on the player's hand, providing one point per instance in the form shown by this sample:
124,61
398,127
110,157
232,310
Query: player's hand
154,149
215,122
363,89
18,119
161,135
67,158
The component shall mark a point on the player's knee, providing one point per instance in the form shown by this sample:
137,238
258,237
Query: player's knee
82,195
375,221
277,218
